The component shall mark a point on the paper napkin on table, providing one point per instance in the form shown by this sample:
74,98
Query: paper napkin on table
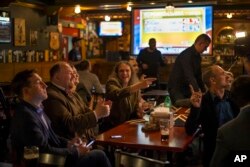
162,112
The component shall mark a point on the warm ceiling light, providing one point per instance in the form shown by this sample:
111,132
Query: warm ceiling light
240,34
189,1
170,7
77,9
129,8
229,15
107,18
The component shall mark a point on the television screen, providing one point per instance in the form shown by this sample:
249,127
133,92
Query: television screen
5,28
173,31
110,28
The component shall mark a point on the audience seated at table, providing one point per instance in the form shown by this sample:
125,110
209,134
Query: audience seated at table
132,61
80,87
82,94
234,135
211,110
31,126
230,79
89,79
123,89
68,113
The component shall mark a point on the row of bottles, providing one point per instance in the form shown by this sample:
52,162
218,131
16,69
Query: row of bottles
19,56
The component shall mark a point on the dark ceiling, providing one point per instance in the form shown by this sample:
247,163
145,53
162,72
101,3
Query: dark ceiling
136,3
240,8
147,2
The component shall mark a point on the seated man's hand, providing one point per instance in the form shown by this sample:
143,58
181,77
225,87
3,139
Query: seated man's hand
102,108
76,141
82,149
196,97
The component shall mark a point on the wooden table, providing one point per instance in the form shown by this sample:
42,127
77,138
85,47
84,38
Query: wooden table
134,137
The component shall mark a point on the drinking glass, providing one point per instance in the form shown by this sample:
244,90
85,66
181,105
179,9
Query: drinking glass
31,155
164,129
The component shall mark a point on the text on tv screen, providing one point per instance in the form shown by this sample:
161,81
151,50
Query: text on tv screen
110,28
173,31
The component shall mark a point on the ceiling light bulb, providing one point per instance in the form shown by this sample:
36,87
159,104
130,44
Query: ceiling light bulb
170,7
189,1
129,8
77,9
107,18
229,15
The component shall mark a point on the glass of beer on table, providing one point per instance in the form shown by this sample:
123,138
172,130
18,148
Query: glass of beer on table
164,129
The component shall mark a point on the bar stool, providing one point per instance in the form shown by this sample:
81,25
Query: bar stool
51,160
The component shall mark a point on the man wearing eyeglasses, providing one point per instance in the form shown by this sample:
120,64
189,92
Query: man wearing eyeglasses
186,71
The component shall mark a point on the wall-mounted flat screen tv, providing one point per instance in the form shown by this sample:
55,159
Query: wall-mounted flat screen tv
5,27
173,31
110,28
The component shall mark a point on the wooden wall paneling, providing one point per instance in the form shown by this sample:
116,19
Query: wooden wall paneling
45,67
6,72
27,66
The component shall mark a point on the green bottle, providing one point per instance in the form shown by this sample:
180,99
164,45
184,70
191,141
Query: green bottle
167,102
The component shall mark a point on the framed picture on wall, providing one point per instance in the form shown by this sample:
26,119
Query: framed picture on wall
19,32
33,37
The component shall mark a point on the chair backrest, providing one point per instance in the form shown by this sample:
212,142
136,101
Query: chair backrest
125,159
51,159
4,164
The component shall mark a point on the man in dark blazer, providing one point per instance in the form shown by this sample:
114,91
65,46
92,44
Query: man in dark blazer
186,71
235,135
68,113
31,126
210,110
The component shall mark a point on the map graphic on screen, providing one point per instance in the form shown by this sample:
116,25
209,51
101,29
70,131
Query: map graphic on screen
173,31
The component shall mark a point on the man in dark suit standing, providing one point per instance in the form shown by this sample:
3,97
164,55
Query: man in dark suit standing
187,71
31,126
149,61
235,135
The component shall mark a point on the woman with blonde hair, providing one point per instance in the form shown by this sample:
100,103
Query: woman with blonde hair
123,89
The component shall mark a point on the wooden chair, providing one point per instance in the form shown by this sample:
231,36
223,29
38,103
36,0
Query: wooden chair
51,160
125,159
